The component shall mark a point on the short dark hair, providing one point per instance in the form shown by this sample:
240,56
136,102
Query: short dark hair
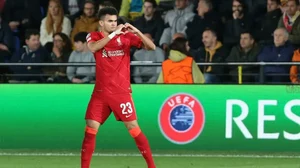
80,37
106,4
107,11
179,44
213,32
278,2
248,32
31,32
89,2
153,2
208,3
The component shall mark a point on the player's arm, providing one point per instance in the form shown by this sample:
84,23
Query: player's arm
149,45
94,46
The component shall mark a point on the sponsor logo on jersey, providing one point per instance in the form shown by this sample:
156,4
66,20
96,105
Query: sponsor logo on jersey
114,53
181,118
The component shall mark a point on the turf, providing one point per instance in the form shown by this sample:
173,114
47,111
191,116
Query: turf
138,162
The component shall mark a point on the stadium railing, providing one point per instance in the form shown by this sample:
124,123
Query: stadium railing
260,65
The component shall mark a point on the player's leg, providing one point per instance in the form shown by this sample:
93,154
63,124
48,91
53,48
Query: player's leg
141,141
97,112
124,110
89,142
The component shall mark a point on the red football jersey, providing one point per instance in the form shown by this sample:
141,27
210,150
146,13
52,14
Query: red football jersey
113,62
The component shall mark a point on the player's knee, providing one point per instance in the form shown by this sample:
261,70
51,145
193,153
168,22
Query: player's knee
93,124
133,128
90,130
134,132
131,124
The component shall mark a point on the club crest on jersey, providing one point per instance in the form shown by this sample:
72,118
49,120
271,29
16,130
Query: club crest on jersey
181,118
104,53
119,41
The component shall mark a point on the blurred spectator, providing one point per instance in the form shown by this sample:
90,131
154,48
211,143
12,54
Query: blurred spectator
105,4
6,41
240,22
180,67
176,21
32,52
177,35
61,51
149,22
22,15
147,74
165,5
281,51
206,18
213,52
253,8
81,74
54,22
72,8
291,22
256,8
2,3
283,6
87,22
265,26
295,69
247,51
130,10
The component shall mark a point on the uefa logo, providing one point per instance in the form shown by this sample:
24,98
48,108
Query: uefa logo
181,118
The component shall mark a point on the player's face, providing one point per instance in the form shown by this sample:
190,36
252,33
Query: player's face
109,23
33,42
79,46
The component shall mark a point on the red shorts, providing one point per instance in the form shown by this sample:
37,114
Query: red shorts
102,104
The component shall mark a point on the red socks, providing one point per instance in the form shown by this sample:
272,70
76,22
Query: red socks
88,147
143,145
89,143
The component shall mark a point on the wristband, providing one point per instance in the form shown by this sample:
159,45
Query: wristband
112,35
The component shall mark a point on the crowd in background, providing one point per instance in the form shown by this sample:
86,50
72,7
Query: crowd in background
185,32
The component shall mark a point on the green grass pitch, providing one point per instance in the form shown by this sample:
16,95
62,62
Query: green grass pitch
30,160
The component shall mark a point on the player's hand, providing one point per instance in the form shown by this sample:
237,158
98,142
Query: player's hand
120,29
131,28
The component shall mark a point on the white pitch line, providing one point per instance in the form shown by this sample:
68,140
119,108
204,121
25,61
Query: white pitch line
157,155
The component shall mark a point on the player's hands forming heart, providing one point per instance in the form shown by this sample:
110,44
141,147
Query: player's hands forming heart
131,28
120,29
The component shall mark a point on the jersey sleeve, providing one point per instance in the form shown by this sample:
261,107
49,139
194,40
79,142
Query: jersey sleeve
92,37
135,41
